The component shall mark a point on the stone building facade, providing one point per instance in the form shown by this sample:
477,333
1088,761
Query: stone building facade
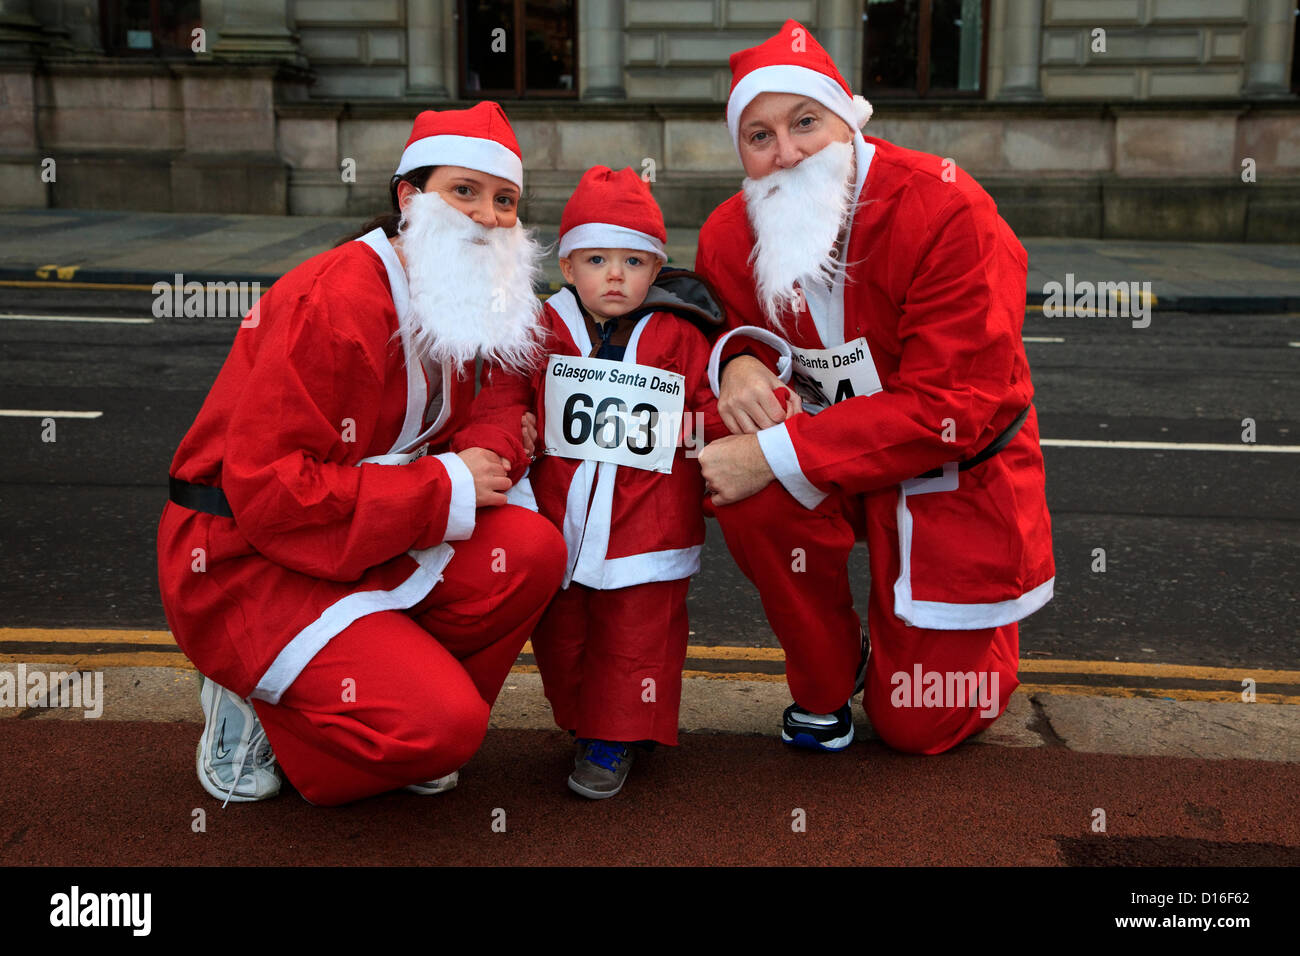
1182,123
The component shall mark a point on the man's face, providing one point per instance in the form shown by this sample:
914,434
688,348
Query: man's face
488,200
780,130
610,282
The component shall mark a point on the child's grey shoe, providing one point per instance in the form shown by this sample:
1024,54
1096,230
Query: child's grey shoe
600,768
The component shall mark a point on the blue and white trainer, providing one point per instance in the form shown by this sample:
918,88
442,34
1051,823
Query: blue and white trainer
234,759
862,665
831,732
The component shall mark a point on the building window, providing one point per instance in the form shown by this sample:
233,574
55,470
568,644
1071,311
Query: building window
521,48
149,27
1295,55
924,47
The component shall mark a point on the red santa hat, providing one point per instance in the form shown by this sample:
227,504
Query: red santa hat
612,210
477,138
791,62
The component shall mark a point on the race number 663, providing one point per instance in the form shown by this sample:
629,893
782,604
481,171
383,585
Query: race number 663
607,423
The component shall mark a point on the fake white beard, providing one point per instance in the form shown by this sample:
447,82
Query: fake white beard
797,215
471,288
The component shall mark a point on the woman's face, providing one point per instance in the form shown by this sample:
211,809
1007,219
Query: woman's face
489,200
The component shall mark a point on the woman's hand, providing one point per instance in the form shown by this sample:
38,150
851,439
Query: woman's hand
749,397
491,476
529,427
734,468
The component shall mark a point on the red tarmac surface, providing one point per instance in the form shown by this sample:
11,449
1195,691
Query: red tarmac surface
123,793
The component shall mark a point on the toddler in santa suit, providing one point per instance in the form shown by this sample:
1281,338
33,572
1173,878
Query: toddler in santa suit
611,646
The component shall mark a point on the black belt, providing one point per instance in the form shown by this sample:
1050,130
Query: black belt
205,498
993,447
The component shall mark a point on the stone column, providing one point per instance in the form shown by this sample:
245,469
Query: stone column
71,26
424,63
841,34
600,48
1022,41
251,30
21,44
21,37
1269,38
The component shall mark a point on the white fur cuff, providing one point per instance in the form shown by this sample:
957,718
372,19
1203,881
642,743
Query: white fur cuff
778,449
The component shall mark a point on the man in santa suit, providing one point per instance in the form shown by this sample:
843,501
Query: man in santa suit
876,385
355,593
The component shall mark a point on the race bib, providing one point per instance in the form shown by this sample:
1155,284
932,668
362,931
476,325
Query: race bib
598,410
823,377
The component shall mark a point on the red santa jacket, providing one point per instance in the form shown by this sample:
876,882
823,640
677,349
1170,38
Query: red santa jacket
302,430
623,525
936,286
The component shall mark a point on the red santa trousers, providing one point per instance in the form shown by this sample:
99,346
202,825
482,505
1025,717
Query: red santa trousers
611,660
798,559
403,697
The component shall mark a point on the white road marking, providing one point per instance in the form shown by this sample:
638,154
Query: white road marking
32,413
1041,338
1294,345
76,318
1169,445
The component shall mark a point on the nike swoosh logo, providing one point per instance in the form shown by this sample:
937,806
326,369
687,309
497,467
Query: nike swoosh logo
221,738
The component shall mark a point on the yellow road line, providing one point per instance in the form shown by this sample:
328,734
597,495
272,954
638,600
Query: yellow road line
1139,669
735,653
178,662
695,653
1153,693
96,661
84,635
60,284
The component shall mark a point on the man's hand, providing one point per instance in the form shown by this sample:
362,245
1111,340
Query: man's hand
491,476
748,401
734,468
529,427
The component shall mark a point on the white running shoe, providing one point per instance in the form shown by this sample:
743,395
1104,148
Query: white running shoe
441,785
234,758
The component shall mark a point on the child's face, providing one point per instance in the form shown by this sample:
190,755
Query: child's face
610,282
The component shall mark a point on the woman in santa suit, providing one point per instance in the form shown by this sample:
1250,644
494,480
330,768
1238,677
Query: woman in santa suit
881,285
355,593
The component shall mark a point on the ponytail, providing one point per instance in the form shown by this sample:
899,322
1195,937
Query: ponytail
389,221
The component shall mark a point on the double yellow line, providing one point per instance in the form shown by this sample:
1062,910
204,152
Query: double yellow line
87,648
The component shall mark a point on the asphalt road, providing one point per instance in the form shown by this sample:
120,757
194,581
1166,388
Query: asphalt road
1201,545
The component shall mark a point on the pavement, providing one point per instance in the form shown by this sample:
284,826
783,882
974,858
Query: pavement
1062,779
83,249
1188,766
